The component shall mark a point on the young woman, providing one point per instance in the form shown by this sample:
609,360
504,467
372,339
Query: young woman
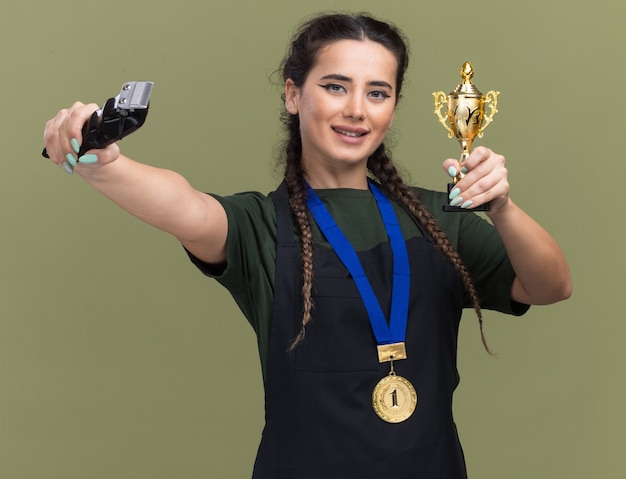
353,281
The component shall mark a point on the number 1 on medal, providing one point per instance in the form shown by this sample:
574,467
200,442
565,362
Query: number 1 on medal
394,398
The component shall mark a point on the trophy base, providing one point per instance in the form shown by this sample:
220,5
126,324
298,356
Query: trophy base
449,208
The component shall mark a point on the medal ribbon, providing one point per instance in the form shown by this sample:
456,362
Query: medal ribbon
395,330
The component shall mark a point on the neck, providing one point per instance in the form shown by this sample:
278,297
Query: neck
354,178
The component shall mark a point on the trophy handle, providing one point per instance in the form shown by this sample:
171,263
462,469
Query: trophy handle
491,100
441,99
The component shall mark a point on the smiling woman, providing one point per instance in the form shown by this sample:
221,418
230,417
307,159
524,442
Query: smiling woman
353,281
346,108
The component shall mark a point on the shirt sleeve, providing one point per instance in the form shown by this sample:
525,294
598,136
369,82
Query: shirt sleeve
484,255
482,251
248,273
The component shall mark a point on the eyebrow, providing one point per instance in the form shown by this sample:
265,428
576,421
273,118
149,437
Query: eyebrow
337,76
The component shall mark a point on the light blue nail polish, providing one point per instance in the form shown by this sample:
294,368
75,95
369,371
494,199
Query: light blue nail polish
71,159
456,201
452,171
463,170
75,145
88,159
467,204
68,169
454,193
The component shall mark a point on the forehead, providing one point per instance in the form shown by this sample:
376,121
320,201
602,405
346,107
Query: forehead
356,58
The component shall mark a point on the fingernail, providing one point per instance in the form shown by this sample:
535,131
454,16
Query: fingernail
467,204
452,171
68,169
88,159
456,201
71,159
463,170
75,145
454,193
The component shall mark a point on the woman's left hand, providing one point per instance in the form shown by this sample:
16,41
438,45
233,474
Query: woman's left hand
486,180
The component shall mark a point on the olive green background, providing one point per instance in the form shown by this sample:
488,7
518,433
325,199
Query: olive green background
119,359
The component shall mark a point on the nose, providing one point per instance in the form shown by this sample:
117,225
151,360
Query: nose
355,107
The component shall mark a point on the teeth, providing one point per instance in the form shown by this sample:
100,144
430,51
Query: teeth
349,133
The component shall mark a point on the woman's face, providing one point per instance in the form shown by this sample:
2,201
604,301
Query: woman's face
345,105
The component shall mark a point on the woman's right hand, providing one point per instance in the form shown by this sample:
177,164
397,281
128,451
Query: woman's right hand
63,137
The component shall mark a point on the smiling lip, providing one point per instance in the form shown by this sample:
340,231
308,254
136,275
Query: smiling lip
350,132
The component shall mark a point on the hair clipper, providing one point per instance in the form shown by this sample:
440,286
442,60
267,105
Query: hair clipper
119,117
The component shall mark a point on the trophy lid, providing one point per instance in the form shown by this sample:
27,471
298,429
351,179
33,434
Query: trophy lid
467,87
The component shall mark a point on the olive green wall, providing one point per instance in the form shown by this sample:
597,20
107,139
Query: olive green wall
118,359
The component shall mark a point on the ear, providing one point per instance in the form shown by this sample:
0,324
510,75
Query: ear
291,97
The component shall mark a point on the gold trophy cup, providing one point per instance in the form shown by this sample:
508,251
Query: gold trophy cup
465,119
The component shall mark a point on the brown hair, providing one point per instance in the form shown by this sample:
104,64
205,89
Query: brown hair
313,35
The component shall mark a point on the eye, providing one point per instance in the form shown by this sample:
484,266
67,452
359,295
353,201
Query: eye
333,88
379,95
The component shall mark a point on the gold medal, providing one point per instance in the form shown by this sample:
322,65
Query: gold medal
394,399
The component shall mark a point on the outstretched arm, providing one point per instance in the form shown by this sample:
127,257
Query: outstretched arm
542,273
159,197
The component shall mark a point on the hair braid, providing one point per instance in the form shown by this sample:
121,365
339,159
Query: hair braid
381,166
297,202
